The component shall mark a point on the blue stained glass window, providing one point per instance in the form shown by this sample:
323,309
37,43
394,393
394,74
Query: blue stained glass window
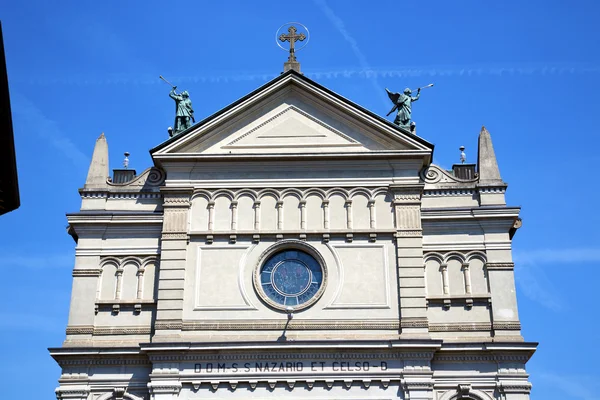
291,277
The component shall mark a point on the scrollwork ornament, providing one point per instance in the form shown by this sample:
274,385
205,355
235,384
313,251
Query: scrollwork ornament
156,177
431,175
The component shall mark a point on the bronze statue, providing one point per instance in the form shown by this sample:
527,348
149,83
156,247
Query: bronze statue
403,105
184,113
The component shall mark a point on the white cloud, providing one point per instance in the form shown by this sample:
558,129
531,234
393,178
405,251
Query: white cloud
545,256
576,387
33,119
532,278
36,261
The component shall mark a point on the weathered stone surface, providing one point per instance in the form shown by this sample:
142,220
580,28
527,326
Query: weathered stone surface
418,297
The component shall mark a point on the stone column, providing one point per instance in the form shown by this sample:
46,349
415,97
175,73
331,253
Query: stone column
467,275
279,206
140,282
234,215
326,214
372,219
119,283
257,215
411,270
303,215
171,273
211,215
349,213
445,283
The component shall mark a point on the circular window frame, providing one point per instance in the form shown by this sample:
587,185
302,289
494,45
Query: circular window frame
289,244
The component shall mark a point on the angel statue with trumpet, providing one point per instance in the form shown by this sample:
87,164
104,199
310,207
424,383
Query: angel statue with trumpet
403,106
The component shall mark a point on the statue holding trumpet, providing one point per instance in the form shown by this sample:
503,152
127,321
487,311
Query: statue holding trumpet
184,113
403,106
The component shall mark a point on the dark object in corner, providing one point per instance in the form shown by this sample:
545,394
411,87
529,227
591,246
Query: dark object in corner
9,185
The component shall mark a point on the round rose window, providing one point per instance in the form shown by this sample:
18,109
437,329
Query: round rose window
291,278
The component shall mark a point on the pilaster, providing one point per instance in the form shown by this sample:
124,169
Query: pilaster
505,318
174,240
409,253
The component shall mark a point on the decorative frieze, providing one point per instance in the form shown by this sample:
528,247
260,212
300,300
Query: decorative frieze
448,192
461,327
408,217
409,233
168,324
271,384
86,272
176,200
280,325
413,323
421,357
175,220
175,236
80,330
507,325
492,266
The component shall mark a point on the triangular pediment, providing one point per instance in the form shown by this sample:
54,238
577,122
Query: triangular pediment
292,127
291,115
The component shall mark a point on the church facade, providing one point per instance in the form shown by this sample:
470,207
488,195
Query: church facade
294,245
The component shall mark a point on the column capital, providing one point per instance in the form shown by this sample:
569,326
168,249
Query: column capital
407,193
176,198
78,392
164,388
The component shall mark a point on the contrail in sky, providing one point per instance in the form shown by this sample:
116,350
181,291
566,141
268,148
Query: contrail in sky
533,278
341,27
459,71
32,119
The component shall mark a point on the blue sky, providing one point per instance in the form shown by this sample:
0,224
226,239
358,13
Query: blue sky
527,70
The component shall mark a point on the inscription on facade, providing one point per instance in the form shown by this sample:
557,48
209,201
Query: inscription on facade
289,366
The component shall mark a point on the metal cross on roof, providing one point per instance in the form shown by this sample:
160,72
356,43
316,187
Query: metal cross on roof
292,37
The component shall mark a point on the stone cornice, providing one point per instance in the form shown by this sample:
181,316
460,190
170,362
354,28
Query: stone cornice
296,356
115,217
434,350
121,194
470,212
407,345
85,356
267,157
